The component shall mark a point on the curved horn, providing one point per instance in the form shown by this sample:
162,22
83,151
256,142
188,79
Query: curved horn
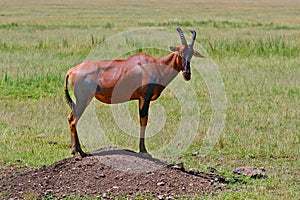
183,41
193,38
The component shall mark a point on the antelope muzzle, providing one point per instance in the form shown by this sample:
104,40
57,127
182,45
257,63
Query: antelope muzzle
186,75
187,71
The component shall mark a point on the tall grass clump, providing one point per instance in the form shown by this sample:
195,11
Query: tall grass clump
35,87
247,47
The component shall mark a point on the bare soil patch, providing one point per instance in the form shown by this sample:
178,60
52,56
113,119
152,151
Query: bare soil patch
108,173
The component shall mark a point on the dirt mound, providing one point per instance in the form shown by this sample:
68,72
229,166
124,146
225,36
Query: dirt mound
108,173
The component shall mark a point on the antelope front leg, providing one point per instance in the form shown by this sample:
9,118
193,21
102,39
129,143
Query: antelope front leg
143,112
143,124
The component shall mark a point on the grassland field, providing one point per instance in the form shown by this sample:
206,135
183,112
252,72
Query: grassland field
255,44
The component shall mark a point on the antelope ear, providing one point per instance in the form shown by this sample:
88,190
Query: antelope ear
174,49
197,54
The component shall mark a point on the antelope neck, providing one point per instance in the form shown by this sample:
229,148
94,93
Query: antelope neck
173,60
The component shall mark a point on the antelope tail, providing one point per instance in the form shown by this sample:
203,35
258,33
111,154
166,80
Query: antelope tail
67,95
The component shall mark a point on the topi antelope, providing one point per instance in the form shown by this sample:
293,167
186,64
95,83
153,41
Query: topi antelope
139,77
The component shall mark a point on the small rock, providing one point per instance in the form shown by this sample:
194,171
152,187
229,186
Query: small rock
161,183
178,165
100,176
192,171
220,180
160,197
251,172
195,153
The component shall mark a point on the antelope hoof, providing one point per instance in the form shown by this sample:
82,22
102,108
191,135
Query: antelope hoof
81,153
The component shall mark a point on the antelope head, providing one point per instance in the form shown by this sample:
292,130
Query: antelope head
186,52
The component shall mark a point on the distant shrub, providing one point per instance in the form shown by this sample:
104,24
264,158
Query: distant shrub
107,25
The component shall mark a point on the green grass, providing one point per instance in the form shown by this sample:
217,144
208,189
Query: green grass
255,45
